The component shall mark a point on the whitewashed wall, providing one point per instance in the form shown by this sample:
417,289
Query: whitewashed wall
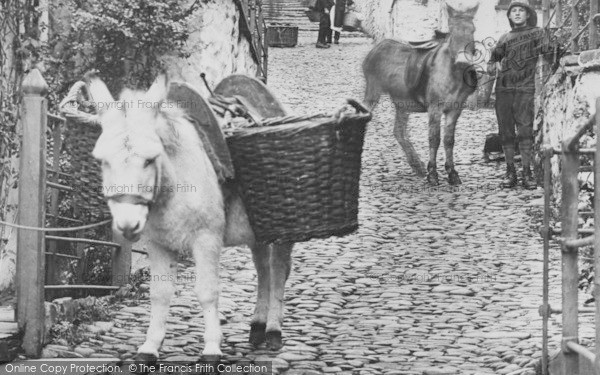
411,19
217,47
568,100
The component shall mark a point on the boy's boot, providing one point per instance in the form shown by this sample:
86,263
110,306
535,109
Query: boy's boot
529,182
510,178
525,146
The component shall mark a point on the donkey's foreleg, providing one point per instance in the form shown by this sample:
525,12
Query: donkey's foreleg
163,271
435,117
280,264
207,249
401,134
258,326
449,130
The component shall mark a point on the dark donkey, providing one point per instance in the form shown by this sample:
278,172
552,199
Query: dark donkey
437,79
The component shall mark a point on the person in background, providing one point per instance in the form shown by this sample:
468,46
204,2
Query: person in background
323,7
517,53
337,19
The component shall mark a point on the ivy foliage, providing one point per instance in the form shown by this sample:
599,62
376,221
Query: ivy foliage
125,40
565,33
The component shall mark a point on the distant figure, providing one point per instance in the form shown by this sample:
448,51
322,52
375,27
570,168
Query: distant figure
517,52
323,7
337,16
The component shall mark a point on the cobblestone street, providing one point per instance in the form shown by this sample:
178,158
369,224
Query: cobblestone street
435,281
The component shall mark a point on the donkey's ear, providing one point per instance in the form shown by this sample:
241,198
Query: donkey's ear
158,91
451,12
472,11
99,94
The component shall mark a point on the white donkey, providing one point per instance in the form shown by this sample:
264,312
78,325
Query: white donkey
147,150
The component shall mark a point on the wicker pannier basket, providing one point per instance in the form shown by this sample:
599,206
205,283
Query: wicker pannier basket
301,180
282,35
82,132
80,141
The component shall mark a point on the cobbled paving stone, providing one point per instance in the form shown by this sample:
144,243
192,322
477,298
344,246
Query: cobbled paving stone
435,281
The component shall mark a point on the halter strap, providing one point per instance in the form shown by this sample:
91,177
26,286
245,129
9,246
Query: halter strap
132,199
137,198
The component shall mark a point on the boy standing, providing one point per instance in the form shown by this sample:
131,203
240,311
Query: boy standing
517,52
323,7
338,18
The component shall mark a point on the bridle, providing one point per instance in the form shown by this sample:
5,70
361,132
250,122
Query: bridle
463,50
138,199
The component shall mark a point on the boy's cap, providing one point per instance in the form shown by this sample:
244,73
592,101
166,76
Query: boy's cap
532,21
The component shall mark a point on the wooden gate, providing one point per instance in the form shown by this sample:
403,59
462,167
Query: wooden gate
252,25
572,238
31,240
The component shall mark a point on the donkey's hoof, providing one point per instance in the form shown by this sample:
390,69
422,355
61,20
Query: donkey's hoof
257,333
274,340
433,179
145,358
211,357
211,363
454,178
142,362
420,170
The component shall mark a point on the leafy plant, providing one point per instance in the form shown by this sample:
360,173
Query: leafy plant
125,40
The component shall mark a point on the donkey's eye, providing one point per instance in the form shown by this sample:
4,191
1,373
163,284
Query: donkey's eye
149,162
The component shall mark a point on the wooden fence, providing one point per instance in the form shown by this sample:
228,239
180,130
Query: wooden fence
566,16
37,251
572,238
252,25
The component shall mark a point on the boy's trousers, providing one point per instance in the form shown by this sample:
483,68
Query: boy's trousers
515,112
324,28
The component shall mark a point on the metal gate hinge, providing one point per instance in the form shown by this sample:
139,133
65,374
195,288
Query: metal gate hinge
566,340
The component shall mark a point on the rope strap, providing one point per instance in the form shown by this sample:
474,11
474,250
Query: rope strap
68,229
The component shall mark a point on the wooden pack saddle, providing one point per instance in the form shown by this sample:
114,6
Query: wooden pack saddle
207,125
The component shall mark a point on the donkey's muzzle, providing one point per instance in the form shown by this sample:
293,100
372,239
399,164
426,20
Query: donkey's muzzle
129,215
131,233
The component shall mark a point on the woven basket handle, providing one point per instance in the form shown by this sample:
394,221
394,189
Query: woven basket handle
360,108
69,106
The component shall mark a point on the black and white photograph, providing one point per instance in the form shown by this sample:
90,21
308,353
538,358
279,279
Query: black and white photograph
299,187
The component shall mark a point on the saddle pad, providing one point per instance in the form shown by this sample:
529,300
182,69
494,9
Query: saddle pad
414,75
199,112
427,45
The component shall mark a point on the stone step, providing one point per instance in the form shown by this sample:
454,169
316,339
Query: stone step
292,12
9,329
7,314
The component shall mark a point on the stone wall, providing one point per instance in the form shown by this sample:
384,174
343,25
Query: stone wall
408,19
568,100
218,49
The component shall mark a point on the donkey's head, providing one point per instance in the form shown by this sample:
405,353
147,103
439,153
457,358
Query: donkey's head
131,151
461,44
